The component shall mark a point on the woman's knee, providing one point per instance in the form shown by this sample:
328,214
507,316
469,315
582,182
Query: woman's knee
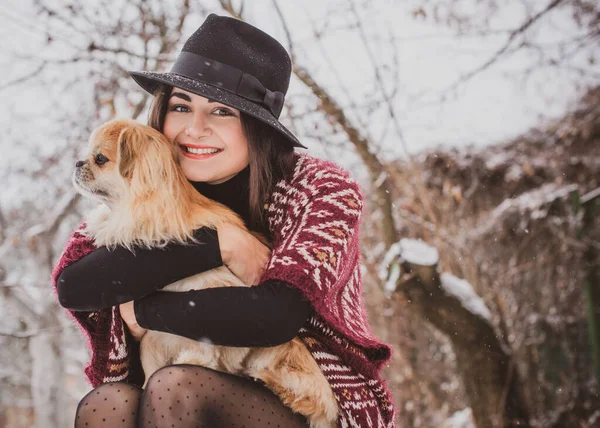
108,401
109,393
170,383
183,394
177,396
185,385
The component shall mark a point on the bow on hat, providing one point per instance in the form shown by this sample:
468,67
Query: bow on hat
251,89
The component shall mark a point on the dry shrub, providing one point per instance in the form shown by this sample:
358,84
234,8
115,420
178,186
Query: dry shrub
503,218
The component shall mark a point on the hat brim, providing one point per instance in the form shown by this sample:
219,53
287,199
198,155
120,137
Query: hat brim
150,81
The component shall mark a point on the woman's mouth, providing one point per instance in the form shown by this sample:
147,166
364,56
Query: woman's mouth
199,153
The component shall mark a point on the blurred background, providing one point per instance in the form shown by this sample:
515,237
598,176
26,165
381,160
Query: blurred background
473,127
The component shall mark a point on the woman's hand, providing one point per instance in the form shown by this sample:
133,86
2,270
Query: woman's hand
242,253
128,315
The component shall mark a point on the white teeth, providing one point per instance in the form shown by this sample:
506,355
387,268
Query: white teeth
201,151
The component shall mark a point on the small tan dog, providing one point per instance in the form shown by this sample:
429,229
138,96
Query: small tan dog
148,201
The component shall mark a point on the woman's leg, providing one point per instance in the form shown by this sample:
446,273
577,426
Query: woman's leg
186,396
109,405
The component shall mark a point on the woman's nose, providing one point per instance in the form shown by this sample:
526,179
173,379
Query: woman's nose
197,128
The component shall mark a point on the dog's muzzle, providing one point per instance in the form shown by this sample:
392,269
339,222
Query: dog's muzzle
83,177
82,174
80,170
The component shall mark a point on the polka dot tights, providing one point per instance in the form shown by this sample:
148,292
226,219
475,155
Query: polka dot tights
186,396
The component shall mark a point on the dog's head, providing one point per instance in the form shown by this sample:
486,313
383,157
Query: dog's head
125,161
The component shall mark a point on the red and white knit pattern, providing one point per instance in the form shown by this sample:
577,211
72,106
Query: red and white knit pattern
118,363
363,402
314,220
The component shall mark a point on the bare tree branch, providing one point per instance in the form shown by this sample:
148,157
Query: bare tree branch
3,226
287,31
23,334
379,80
589,196
361,144
63,209
24,78
352,107
500,52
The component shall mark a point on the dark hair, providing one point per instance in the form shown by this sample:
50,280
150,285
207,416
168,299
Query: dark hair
270,155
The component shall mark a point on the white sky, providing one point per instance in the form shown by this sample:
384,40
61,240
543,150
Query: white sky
496,105
489,109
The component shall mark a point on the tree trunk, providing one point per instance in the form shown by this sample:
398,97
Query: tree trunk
490,380
591,204
46,375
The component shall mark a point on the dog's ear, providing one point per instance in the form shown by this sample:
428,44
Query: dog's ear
128,139
146,159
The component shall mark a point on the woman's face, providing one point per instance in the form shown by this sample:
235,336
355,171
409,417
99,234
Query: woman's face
212,146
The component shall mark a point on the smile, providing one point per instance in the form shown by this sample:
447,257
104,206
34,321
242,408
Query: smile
199,153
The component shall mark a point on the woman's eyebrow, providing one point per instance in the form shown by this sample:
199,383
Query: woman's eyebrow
182,96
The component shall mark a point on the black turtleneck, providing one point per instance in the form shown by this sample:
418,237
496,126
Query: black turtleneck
234,193
267,314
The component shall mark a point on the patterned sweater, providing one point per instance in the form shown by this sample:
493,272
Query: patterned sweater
314,218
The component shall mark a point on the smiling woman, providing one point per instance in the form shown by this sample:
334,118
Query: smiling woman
220,104
213,147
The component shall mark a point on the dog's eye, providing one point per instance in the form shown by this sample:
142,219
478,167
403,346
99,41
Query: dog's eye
101,159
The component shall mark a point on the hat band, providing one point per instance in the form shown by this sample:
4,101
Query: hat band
231,79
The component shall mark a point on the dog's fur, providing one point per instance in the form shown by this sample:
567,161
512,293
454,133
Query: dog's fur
147,201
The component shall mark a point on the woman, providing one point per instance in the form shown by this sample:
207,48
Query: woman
220,104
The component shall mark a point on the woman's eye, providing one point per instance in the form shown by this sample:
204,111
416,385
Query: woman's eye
220,111
180,108
101,159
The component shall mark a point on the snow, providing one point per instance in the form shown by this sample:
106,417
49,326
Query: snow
413,251
533,203
591,195
417,252
380,179
392,281
392,253
464,291
460,419
533,200
496,159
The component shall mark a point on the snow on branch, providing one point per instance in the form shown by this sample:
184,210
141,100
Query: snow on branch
417,252
389,269
412,251
532,204
464,292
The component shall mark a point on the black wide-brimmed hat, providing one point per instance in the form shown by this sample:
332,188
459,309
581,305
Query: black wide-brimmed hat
234,63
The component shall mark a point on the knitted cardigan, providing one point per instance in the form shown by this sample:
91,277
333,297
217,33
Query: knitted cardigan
314,218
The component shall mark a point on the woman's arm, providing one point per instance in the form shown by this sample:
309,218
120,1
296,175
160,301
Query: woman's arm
268,314
106,278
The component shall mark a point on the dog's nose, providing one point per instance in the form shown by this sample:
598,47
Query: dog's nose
80,163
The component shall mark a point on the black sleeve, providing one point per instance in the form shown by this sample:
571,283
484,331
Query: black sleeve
106,278
268,314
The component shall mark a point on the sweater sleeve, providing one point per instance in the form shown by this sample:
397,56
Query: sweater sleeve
268,314
105,278
316,247
322,255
